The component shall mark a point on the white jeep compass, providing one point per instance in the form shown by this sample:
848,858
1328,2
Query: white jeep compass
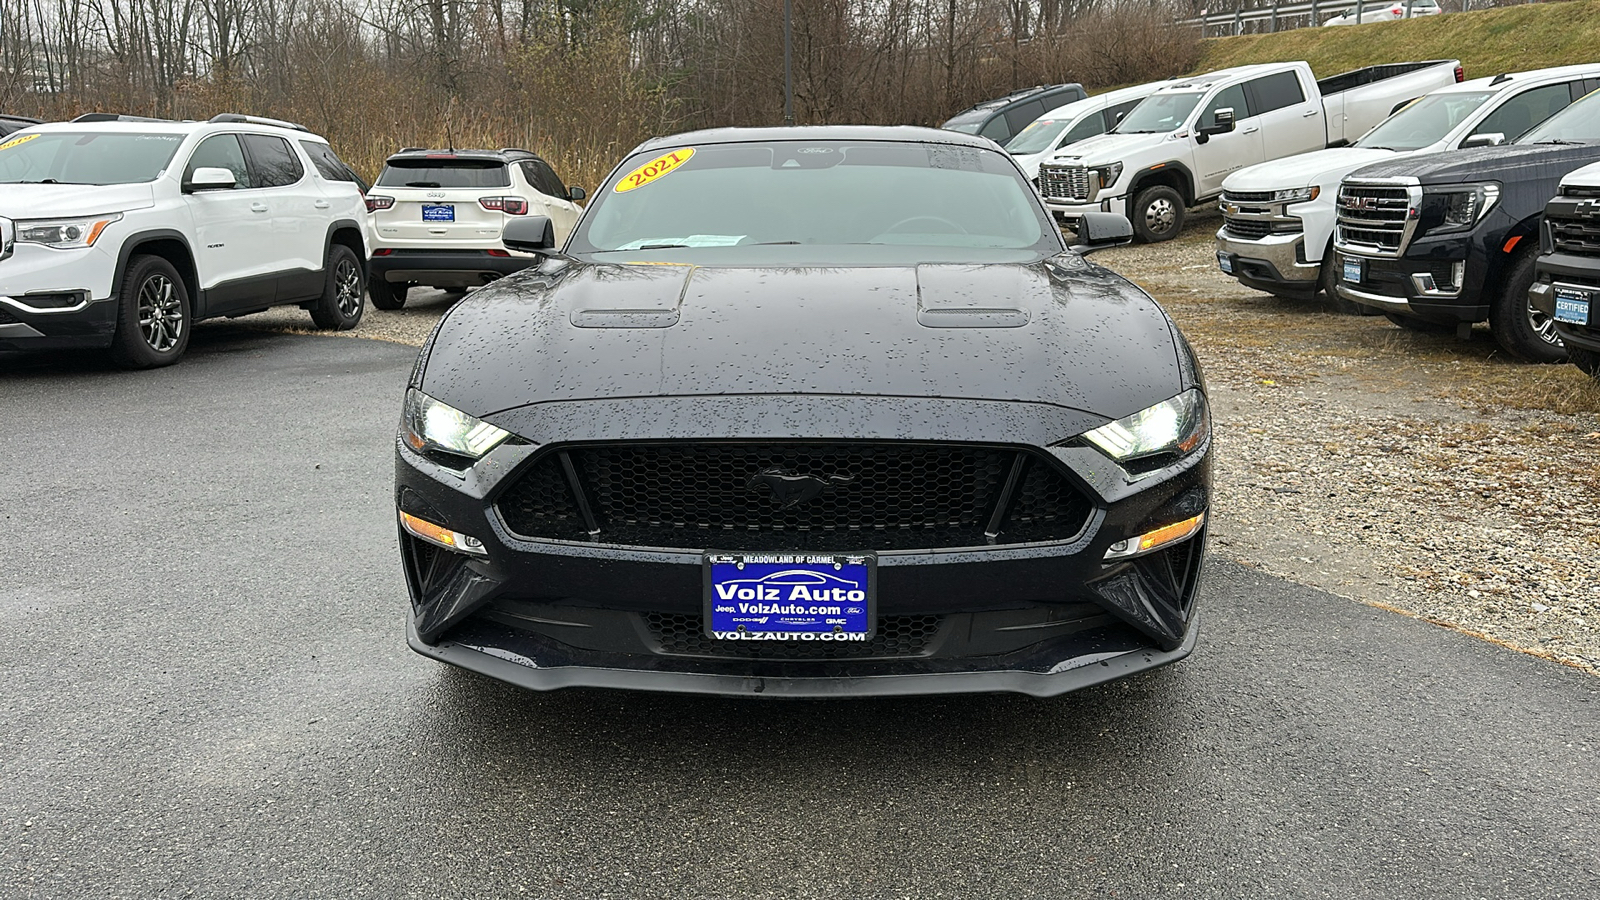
437,217
118,232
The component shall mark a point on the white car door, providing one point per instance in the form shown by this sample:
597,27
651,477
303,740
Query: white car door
1227,152
1290,122
231,228
298,213
549,192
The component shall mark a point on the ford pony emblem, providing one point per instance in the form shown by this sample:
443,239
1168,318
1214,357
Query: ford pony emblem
791,490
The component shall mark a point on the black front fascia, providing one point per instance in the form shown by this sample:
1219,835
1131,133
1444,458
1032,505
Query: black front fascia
89,328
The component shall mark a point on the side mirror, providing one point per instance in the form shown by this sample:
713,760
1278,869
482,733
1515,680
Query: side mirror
533,234
210,178
1223,121
576,194
1099,230
1484,139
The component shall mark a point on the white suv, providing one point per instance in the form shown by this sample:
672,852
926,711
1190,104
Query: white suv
121,233
437,217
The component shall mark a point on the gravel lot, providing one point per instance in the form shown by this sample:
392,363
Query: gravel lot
1415,472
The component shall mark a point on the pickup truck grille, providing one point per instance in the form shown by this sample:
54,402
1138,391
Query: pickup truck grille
1375,219
1579,237
1064,183
1248,229
1247,197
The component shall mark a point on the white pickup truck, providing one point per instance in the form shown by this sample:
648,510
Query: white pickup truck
1278,217
1175,148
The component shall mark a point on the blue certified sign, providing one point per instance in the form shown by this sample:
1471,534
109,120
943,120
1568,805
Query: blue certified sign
1572,305
790,596
1225,262
438,212
1352,270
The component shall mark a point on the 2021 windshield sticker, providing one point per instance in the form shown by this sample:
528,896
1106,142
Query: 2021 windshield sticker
653,169
19,139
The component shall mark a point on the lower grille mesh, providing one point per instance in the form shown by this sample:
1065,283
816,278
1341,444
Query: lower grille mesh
682,634
793,496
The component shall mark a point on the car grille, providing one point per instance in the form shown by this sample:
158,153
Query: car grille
849,496
1580,190
1580,237
1247,197
683,634
1064,182
1375,218
1248,229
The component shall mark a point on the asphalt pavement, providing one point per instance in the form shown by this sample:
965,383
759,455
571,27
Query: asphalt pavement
205,691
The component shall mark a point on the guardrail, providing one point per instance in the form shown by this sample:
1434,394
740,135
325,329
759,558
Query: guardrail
1284,16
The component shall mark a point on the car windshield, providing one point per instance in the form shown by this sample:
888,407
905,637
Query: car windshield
439,173
1037,136
1577,124
73,157
825,193
1424,122
969,122
1159,112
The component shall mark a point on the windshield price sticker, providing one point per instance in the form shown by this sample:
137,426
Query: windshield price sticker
653,169
20,139
790,597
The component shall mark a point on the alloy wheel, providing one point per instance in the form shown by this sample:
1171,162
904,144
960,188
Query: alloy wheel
160,313
347,288
1160,215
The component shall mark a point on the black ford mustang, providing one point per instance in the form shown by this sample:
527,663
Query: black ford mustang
807,411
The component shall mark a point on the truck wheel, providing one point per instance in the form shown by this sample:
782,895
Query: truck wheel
1519,329
343,295
1587,360
1157,214
386,295
153,315
1420,326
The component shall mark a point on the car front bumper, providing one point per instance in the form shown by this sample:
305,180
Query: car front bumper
445,268
1430,284
57,299
1275,263
1070,212
1578,271
1040,618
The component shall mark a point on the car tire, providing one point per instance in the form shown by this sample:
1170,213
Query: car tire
1519,329
1587,360
387,295
154,315
1157,214
343,292
1420,326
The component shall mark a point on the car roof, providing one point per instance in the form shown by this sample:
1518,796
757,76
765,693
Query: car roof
898,133
1015,97
1100,101
167,126
1507,80
504,155
1207,79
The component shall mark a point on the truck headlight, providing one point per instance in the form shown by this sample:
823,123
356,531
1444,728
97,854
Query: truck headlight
1108,174
65,234
1456,207
1157,434
1298,195
428,425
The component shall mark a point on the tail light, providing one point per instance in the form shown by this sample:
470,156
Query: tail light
498,253
376,203
1460,75
511,206
383,251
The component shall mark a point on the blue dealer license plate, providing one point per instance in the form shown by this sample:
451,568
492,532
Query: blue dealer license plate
790,596
1225,262
1572,305
1352,270
438,212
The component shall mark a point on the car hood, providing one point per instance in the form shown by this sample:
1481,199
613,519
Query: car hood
1511,163
55,201
1319,167
1029,162
1059,332
1106,148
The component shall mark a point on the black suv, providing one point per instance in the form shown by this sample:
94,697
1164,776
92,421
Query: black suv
1441,241
1003,118
1567,284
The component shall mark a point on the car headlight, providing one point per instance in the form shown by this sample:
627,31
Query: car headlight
1457,207
1298,195
65,234
1108,174
1170,429
430,425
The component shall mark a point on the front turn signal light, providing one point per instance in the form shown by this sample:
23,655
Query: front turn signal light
441,536
1155,540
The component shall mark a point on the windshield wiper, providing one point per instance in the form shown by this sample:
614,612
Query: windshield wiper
422,184
769,243
659,246
1563,142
